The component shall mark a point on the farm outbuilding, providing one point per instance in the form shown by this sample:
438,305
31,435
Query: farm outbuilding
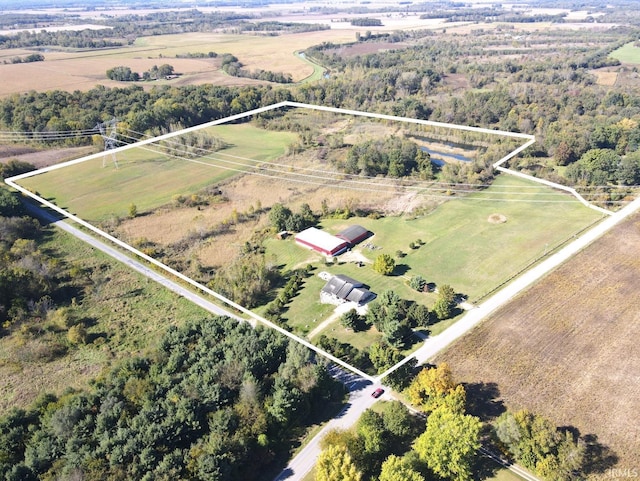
354,234
342,288
322,241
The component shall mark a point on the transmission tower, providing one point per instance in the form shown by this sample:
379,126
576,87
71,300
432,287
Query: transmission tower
109,134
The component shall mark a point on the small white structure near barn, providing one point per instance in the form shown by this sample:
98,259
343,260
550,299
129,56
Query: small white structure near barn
322,241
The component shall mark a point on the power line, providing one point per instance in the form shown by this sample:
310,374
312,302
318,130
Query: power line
289,170
348,184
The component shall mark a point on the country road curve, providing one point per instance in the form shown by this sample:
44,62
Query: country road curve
360,399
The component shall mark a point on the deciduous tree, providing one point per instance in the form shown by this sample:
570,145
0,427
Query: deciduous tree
396,469
335,464
384,264
449,443
436,381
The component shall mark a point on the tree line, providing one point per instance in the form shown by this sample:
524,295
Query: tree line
123,30
232,66
125,74
443,442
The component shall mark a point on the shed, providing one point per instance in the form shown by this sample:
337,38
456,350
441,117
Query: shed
322,241
354,234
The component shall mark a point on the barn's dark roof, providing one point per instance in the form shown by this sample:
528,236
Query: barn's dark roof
354,234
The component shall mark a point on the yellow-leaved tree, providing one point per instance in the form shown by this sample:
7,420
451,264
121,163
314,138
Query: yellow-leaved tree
335,464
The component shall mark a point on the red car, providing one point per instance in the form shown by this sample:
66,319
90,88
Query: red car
377,393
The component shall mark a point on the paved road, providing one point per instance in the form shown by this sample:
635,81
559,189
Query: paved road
360,399
132,263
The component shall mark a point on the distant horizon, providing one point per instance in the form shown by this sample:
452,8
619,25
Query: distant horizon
21,5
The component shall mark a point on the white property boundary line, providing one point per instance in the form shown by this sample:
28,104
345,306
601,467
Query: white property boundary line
11,181
498,166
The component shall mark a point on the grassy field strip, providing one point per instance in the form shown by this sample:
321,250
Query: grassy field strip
628,53
318,70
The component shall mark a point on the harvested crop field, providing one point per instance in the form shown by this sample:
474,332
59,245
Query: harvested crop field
42,158
83,70
568,348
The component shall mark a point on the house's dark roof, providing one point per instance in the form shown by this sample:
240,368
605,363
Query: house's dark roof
354,234
358,294
344,287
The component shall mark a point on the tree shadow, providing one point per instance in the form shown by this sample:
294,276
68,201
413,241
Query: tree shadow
598,457
484,467
483,400
400,270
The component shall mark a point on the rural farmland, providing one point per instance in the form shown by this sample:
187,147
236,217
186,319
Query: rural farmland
475,242
567,347
440,166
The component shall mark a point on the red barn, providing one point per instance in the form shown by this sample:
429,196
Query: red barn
322,241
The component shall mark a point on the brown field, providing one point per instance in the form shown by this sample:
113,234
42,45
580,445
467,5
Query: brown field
628,78
605,77
84,70
568,347
42,158
165,227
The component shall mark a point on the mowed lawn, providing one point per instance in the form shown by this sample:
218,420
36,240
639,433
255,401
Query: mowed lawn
149,179
460,246
567,348
628,53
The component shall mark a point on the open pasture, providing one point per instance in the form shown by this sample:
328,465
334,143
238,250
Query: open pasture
149,178
567,348
628,53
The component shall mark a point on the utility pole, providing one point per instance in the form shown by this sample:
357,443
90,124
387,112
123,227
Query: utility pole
109,133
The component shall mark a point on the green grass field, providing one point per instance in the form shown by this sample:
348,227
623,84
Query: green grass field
627,53
460,247
150,179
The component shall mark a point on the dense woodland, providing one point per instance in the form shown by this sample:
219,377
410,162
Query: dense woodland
218,400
